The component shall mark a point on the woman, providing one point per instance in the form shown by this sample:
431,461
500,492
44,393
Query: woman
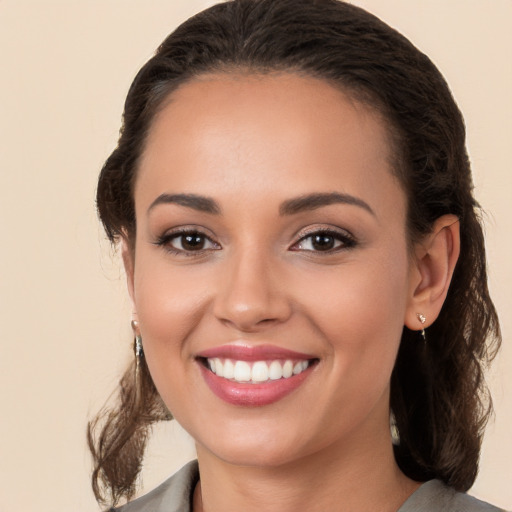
293,201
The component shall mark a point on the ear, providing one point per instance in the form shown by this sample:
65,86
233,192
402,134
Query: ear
129,267
431,272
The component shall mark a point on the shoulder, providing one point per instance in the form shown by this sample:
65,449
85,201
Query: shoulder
434,496
173,495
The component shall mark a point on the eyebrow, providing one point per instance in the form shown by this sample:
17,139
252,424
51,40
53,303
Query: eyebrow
289,207
314,201
199,203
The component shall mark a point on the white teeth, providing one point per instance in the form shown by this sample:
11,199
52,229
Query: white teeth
300,367
275,370
229,369
218,367
242,372
257,372
287,369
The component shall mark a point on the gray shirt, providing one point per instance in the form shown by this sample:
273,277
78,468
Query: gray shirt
175,495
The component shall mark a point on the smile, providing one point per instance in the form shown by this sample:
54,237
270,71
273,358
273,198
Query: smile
258,371
251,376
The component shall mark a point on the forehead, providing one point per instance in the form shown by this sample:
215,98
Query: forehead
234,132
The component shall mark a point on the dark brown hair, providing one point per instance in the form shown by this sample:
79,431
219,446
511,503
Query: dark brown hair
438,395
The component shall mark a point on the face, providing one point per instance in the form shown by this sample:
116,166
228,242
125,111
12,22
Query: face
270,275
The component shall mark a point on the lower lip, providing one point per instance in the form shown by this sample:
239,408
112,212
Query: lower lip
253,395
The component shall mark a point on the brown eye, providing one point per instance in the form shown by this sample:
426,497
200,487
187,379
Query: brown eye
322,242
325,241
187,242
192,242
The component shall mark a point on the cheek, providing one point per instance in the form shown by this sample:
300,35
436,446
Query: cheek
168,299
168,309
170,303
363,306
361,317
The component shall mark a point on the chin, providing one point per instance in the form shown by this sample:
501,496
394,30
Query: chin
255,456
257,446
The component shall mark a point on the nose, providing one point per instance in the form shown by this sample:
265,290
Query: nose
251,293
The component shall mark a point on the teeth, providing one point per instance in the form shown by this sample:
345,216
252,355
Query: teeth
275,370
219,369
287,369
242,372
300,367
229,369
257,372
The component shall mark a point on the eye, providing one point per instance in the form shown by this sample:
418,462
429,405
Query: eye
324,241
184,242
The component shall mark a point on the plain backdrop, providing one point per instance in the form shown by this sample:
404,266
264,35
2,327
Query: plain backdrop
64,316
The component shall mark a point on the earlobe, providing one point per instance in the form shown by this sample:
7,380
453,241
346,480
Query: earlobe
436,256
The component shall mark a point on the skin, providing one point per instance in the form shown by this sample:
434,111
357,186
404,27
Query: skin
251,143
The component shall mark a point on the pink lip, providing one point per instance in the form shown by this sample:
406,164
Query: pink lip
247,394
252,395
251,353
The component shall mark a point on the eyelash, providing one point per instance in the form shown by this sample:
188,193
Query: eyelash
345,239
166,240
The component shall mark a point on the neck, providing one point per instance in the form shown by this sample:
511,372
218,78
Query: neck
353,477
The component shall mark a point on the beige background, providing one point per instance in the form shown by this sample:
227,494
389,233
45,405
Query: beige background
65,68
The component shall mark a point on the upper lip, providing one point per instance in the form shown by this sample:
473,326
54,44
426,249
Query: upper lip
245,352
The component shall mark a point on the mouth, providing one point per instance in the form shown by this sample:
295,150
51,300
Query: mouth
254,375
256,372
